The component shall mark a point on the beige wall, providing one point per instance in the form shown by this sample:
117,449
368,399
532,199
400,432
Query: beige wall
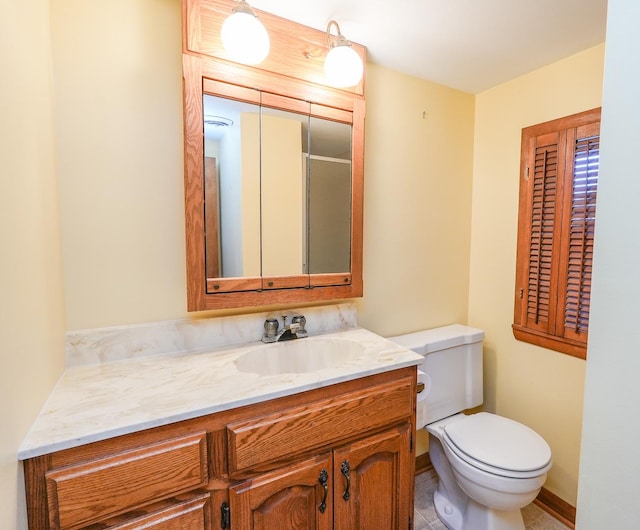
417,203
118,124
539,387
31,305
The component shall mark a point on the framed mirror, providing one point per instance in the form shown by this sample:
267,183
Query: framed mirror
273,187
277,191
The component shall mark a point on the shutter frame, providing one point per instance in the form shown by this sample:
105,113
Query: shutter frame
543,313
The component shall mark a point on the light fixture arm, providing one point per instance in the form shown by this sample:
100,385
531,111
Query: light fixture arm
243,7
338,40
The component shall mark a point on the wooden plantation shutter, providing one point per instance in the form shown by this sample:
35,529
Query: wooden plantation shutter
558,189
582,219
544,185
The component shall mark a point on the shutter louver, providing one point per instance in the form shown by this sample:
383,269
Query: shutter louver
545,177
581,233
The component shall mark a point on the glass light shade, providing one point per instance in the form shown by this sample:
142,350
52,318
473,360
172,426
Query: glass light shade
343,66
245,39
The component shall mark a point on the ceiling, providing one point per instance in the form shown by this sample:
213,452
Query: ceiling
470,45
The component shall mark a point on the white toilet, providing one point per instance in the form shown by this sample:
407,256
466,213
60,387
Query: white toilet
489,467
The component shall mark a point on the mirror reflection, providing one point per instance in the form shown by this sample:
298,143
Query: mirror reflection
232,188
330,197
277,190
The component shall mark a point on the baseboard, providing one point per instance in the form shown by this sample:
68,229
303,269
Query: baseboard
423,463
549,502
558,508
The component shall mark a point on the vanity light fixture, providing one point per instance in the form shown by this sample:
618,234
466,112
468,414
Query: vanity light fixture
343,66
244,37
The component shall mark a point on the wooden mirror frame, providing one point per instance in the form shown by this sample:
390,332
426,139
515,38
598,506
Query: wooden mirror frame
296,71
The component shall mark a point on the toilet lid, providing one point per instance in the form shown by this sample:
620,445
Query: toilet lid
499,442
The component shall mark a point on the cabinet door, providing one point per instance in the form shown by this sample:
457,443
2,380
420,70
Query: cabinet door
296,497
373,482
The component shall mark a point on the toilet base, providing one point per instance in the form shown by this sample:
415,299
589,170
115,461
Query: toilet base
476,516
482,518
450,515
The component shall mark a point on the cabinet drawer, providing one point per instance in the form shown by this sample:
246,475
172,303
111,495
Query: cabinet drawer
262,442
173,514
85,493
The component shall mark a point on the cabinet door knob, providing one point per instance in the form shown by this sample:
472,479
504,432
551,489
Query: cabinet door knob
345,469
324,482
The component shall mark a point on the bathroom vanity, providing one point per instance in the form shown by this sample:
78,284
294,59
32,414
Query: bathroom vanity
238,438
217,446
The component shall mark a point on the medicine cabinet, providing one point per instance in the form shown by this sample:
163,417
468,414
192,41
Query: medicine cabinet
274,162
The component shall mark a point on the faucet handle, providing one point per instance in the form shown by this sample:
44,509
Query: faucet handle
271,326
299,319
300,322
270,330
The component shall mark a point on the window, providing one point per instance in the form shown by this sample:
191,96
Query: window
556,221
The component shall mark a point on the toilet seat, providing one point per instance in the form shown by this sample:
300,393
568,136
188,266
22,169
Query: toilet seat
498,445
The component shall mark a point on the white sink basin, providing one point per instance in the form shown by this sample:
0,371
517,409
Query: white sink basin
298,356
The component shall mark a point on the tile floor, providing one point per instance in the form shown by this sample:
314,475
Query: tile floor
425,517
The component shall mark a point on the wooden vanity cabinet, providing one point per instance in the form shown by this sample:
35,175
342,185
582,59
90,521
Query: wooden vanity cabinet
339,457
357,486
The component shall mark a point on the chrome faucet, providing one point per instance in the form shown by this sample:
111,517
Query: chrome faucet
294,330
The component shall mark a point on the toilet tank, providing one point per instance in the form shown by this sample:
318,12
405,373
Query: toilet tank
453,363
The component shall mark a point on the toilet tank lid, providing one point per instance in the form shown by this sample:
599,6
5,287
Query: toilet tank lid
430,340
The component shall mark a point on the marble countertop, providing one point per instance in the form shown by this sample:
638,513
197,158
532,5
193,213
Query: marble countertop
92,403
